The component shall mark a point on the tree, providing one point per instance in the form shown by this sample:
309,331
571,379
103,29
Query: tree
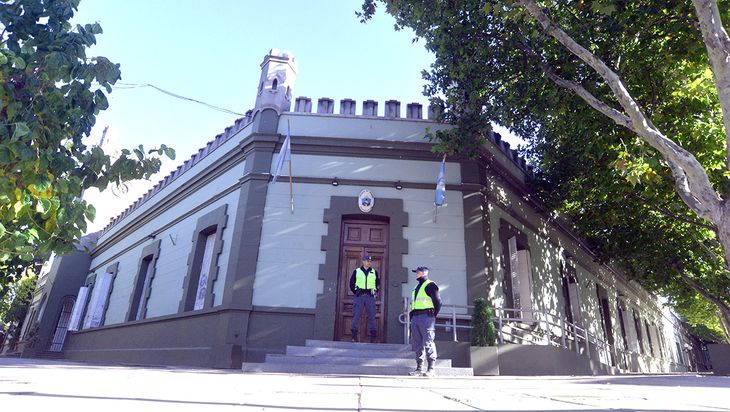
51,92
550,72
14,305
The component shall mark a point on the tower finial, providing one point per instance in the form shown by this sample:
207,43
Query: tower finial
278,75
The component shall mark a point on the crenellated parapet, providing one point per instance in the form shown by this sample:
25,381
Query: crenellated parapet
201,154
511,154
369,108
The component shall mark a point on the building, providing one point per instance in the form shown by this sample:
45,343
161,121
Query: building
216,265
44,329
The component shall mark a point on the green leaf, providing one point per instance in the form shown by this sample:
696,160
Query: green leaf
21,129
19,63
170,153
2,230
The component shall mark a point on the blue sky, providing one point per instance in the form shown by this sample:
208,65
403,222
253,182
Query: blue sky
211,51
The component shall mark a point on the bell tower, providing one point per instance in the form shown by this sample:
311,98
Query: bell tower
278,74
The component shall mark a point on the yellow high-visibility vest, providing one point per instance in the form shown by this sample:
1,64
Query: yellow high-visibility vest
422,301
363,281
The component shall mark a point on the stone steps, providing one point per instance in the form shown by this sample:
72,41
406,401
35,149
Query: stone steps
395,347
350,358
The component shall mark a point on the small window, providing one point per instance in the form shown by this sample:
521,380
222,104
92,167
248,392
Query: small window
274,84
139,300
203,261
99,298
79,308
518,282
143,282
261,87
648,338
639,334
204,272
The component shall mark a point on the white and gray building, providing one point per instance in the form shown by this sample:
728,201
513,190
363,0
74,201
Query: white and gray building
212,267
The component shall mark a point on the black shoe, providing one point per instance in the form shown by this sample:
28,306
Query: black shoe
417,372
354,337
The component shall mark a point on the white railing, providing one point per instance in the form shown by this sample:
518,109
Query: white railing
532,327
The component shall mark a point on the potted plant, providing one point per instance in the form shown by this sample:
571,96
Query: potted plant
484,353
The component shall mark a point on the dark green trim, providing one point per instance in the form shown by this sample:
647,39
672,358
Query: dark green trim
397,274
151,251
213,222
280,310
244,248
228,161
113,269
172,223
477,234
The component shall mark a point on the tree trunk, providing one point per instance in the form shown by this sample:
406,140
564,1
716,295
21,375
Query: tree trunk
724,323
723,231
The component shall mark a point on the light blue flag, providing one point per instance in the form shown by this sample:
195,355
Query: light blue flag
441,186
284,156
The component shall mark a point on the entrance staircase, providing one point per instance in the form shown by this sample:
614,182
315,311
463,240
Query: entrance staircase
349,358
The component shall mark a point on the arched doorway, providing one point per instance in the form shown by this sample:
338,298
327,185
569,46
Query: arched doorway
59,336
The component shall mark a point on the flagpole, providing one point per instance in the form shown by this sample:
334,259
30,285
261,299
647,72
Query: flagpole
291,185
437,202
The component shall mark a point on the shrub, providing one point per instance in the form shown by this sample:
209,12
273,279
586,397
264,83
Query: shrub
483,332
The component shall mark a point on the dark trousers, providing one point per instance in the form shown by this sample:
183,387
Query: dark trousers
367,302
423,332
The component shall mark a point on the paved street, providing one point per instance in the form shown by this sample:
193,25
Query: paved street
34,385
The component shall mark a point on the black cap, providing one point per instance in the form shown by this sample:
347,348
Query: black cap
420,269
367,257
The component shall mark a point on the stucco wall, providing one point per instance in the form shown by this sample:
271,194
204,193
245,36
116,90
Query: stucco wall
211,159
357,127
290,255
365,168
171,268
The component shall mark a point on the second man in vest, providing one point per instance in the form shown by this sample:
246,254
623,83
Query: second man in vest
365,284
426,304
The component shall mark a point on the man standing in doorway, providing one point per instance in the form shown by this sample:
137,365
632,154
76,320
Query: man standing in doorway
426,304
365,284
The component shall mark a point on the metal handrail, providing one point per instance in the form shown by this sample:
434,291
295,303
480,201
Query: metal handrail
613,355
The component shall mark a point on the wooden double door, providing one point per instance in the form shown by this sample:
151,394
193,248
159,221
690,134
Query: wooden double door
360,238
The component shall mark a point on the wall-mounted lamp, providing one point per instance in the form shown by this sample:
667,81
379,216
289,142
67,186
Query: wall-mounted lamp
398,185
335,182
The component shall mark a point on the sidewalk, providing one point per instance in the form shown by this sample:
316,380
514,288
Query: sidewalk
36,385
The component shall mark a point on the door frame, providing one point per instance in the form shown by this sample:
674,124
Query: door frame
344,275
342,206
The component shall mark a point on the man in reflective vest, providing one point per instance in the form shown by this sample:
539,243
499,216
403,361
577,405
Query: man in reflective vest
426,304
364,283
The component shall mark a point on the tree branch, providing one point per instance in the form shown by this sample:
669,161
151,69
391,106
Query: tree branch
693,184
702,291
684,191
671,214
618,117
712,254
718,49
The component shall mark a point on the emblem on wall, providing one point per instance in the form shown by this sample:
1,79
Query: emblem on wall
366,201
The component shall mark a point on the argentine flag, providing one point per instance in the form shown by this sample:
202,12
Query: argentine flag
440,199
284,156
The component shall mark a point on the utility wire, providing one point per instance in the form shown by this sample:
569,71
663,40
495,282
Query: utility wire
121,85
